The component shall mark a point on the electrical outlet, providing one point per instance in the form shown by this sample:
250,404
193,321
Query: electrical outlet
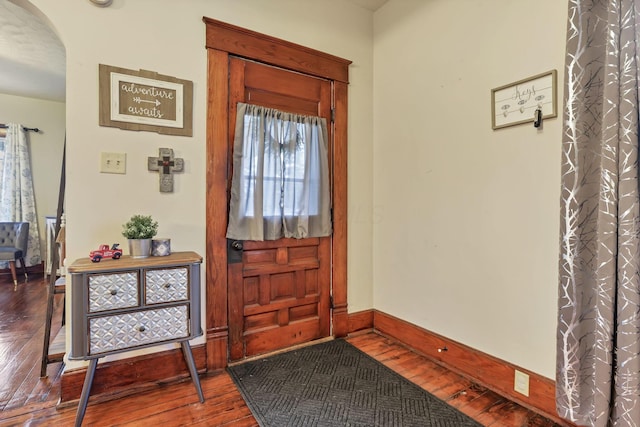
113,162
521,383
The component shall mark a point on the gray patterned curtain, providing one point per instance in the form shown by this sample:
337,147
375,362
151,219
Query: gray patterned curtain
17,198
598,362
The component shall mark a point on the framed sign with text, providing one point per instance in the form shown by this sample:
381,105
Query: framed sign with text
517,103
145,100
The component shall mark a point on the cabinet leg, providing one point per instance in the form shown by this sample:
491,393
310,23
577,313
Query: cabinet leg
188,357
86,389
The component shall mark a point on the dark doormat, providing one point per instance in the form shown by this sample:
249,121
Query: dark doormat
335,384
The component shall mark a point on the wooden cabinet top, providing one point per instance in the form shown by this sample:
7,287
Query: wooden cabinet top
84,265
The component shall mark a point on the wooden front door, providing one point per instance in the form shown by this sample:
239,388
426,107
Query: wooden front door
278,291
224,42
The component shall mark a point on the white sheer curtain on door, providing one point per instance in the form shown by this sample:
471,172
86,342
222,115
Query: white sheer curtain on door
280,184
17,199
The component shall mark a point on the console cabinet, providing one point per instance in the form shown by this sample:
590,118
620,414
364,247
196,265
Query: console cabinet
131,303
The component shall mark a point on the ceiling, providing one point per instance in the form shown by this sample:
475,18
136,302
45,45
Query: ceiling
371,5
33,59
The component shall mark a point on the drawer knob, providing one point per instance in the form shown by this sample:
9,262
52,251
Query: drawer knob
114,292
142,328
167,285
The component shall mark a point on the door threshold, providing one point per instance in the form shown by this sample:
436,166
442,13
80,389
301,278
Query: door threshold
282,350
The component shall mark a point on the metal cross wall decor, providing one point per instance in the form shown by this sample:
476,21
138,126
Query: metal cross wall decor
165,164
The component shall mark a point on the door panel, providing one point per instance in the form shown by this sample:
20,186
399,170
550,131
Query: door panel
285,90
278,291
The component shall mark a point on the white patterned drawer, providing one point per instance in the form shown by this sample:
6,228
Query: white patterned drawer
113,291
127,330
166,285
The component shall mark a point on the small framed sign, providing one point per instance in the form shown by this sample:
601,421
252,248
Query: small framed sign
145,100
516,103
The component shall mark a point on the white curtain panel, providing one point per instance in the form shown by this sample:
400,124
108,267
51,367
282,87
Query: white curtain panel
17,199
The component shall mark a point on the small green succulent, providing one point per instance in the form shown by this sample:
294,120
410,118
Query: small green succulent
140,227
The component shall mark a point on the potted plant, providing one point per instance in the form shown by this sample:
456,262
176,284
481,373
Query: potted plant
139,230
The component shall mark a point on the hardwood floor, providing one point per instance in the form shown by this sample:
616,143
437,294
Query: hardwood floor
22,315
27,400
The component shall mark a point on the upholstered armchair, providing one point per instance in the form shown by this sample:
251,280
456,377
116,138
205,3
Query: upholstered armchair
14,237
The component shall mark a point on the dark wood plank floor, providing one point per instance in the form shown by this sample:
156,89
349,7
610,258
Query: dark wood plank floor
27,400
22,314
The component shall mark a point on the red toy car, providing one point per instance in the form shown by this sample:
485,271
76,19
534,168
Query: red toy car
105,252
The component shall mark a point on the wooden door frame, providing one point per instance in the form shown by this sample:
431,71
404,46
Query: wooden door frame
222,40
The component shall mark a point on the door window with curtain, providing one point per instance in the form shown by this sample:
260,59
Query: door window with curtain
280,185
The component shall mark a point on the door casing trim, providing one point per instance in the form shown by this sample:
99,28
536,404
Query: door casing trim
223,40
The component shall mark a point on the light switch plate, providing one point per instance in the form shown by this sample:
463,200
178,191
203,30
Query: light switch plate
113,162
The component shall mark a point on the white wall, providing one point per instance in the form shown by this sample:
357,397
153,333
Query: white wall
46,148
456,225
168,37
467,218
